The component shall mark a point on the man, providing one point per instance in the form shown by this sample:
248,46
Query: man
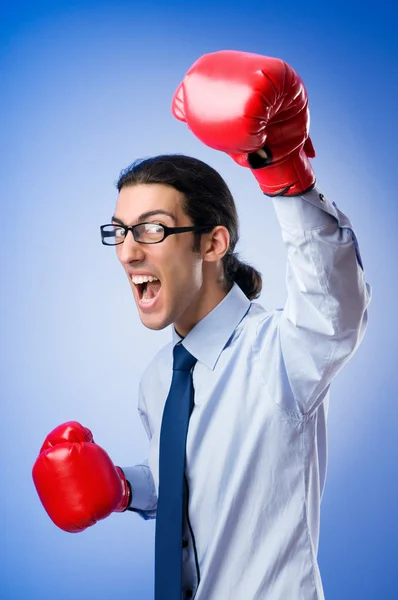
238,507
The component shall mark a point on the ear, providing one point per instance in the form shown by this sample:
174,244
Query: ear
215,244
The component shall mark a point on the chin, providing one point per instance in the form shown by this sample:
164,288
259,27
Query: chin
162,317
154,322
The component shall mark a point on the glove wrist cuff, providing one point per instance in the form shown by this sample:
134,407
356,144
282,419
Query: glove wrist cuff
291,176
126,492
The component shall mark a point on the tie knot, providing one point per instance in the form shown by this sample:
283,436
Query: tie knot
182,359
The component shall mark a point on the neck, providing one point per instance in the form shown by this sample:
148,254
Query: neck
206,301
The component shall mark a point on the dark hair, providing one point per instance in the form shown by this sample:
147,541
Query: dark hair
207,199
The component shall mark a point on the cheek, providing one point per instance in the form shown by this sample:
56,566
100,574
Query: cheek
180,265
186,275
172,255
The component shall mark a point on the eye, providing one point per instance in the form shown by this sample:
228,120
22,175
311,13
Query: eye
118,231
153,227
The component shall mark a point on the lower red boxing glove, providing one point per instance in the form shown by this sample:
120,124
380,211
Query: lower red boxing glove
243,103
76,480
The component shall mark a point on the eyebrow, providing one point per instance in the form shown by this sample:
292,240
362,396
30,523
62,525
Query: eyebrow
146,215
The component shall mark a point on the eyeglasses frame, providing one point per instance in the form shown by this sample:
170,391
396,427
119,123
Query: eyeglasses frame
167,231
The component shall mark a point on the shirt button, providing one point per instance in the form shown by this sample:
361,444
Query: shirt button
184,545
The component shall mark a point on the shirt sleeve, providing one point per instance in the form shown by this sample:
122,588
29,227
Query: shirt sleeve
325,315
144,498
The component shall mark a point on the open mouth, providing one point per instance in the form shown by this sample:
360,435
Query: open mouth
148,291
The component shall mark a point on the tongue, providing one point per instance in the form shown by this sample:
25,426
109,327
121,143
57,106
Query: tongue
152,288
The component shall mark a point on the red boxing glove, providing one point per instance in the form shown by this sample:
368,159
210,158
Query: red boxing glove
76,480
239,103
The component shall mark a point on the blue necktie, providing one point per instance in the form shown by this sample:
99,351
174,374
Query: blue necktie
169,515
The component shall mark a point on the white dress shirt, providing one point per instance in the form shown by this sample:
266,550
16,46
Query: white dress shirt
256,445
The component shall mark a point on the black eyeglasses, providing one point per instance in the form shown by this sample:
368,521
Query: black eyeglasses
144,233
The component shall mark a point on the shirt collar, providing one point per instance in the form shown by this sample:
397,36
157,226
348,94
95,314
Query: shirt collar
208,338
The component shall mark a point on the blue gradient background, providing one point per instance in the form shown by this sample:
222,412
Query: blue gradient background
86,88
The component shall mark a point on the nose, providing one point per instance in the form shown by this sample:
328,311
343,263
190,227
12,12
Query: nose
130,251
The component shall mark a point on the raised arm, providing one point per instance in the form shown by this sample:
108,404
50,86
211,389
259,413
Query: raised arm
325,315
255,108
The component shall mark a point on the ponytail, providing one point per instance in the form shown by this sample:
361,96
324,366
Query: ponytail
244,275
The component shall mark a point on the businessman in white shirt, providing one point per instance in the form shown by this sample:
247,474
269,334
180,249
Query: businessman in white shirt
255,445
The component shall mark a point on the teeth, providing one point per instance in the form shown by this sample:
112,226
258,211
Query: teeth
143,278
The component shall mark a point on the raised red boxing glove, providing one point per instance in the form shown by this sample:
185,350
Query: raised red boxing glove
76,480
240,103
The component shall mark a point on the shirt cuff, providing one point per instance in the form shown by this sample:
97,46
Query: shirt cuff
308,212
311,211
143,489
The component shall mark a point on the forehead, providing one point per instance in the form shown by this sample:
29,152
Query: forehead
136,200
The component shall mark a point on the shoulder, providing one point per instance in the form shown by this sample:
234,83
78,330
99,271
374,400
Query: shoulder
263,324
258,318
256,326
